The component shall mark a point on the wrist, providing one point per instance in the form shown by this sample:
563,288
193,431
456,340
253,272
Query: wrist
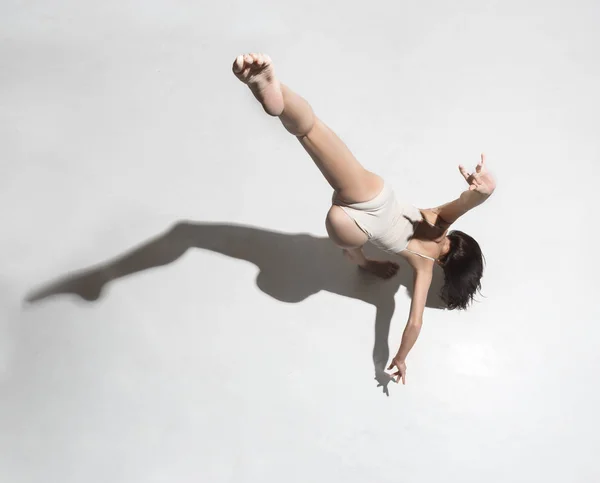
400,358
472,198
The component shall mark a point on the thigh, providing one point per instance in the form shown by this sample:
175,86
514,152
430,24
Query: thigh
342,229
352,182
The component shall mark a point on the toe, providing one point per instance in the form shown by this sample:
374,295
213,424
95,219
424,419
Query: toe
238,64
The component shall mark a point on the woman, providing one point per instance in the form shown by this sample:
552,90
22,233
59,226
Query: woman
364,208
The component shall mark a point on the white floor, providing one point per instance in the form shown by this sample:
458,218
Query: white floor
237,345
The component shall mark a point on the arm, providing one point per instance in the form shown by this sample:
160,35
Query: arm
452,211
481,186
422,282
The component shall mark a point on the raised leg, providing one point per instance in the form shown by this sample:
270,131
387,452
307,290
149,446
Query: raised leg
349,179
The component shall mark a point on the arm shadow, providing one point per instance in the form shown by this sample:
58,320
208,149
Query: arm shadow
292,267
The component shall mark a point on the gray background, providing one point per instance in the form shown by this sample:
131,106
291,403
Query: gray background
244,352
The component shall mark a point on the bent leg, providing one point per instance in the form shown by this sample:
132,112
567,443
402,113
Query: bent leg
381,268
344,232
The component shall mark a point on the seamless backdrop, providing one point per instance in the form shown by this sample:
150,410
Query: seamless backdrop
170,309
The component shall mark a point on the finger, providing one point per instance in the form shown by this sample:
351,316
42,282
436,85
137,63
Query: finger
248,58
480,164
404,379
464,172
392,364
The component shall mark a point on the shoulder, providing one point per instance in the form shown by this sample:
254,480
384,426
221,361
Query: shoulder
416,254
433,218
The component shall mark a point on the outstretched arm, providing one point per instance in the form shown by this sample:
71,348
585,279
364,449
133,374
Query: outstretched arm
422,282
481,186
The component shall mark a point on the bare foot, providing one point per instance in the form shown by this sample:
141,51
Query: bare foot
256,70
87,285
381,269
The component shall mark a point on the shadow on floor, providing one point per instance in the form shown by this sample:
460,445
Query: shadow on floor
292,267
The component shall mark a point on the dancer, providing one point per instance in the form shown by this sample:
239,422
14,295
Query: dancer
365,208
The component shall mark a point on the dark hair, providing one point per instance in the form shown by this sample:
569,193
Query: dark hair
463,269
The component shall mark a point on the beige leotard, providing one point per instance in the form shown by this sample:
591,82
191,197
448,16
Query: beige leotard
389,223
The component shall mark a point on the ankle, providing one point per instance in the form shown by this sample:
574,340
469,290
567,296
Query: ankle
356,256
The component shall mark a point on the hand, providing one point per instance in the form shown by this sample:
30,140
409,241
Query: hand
481,180
401,366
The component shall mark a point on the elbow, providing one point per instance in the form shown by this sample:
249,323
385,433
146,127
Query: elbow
415,322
